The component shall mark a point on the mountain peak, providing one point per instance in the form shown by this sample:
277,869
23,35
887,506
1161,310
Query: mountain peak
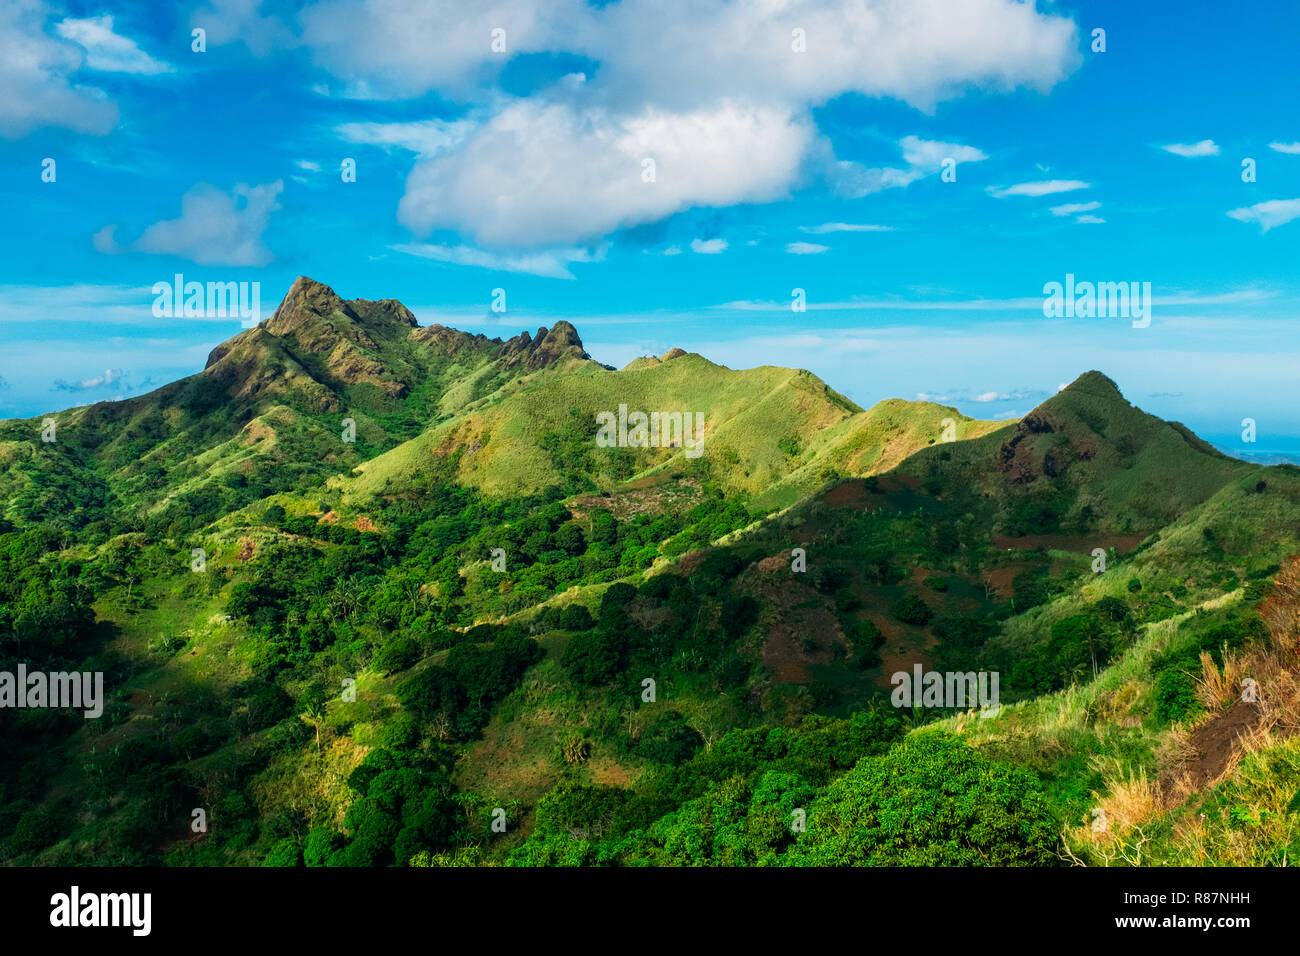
548,346
306,297
1095,383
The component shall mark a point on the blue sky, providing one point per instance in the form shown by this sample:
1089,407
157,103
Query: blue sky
524,169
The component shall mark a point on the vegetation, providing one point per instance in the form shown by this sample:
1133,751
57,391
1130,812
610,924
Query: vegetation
472,636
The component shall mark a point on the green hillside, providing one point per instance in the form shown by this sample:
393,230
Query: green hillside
381,651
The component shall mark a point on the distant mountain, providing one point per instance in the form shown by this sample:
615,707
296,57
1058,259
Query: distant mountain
270,407
267,410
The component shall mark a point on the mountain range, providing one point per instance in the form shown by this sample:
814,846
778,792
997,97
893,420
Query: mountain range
359,584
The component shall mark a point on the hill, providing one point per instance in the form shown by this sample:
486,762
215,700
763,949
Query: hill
354,652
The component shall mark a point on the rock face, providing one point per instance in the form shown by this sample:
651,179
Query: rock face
318,342
1018,457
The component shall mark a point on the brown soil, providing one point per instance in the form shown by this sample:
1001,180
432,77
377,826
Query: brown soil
899,652
848,495
853,494
1214,743
783,653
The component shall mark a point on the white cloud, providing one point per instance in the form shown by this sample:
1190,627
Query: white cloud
1090,220
929,155
110,376
425,137
672,251
231,21
35,75
921,51
394,49
678,81
215,228
681,54
854,180
540,174
1291,148
1205,147
1269,214
805,248
708,247
1045,187
108,50
549,263
309,165
844,227
1071,208
104,241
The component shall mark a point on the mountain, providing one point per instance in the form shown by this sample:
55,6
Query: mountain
273,400
349,651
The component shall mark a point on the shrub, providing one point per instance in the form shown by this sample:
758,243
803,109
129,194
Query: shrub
910,609
931,801
397,655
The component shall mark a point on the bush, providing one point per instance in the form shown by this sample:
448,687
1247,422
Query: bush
1175,695
912,610
575,617
668,739
931,801
595,657
397,655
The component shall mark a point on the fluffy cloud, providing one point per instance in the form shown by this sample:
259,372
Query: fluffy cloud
35,74
1269,214
708,247
1291,148
929,155
680,54
1205,147
541,174
920,51
678,81
805,248
216,228
401,48
107,50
